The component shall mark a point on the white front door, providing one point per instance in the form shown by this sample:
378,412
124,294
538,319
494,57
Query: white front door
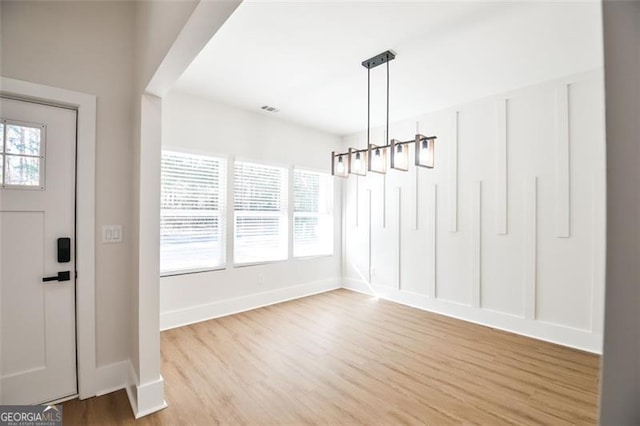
37,233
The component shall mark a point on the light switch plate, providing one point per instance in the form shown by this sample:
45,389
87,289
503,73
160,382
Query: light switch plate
112,233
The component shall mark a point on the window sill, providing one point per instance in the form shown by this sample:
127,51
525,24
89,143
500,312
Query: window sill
312,256
269,262
258,263
242,265
192,271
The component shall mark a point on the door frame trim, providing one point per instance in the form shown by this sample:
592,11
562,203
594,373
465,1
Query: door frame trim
85,104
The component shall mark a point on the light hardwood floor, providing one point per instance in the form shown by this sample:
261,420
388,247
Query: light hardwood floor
346,358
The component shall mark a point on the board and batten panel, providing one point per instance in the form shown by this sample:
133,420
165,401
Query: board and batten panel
413,271
531,135
565,270
454,237
356,229
385,226
480,197
501,159
522,255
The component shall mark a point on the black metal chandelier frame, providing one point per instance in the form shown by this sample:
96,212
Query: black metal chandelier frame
375,156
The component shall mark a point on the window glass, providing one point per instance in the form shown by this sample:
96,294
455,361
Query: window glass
21,154
23,140
312,214
192,226
261,221
23,171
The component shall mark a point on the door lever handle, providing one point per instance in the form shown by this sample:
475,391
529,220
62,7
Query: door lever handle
62,276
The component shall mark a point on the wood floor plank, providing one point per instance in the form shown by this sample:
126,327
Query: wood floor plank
346,358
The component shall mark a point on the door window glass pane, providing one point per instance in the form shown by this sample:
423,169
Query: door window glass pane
1,137
23,140
22,171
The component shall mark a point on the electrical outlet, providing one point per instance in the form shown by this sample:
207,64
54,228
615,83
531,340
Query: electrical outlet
260,279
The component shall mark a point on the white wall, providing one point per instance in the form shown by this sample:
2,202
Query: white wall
157,24
202,126
620,385
111,50
168,37
508,230
87,47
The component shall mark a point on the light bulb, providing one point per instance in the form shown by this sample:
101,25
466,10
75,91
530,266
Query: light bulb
400,160
424,152
377,160
340,166
358,163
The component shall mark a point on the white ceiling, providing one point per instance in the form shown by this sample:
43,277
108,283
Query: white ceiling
304,57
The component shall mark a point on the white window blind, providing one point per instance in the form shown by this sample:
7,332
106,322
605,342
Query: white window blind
312,213
260,204
192,213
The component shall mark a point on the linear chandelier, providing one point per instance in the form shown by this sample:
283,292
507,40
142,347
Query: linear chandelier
373,158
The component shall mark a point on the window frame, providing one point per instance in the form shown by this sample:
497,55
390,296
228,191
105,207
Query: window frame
331,213
222,210
41,158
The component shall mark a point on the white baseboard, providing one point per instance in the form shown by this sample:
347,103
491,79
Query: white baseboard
145,398
555,333
191,315
358,286
112,377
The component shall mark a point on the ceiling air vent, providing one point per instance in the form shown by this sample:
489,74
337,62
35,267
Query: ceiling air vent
269,108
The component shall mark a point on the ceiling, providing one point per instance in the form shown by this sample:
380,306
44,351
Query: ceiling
304,57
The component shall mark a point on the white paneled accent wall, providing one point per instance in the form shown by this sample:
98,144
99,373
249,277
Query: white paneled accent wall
508,230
